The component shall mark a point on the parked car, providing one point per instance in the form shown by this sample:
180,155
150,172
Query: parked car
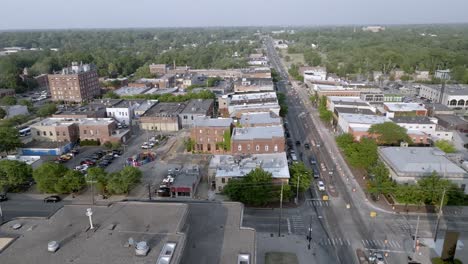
52,199
90,162
3,197
377,258
321,186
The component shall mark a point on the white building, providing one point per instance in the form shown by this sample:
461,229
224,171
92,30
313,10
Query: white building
409,164
452,95
358,123
124,111
223,168
315,74
424,125
348,102
443,74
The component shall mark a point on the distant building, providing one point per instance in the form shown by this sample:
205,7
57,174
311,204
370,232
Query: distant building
334,90
358,124
186,182
258,140
315,74
423,128
443,74
7,92
409,164
208,134
348,102
196,108
257,72
124,111
453,122
438,109
77,83
404,109
373,29
129,91
451,95
163,117
260,119
422,76
158,69
42,81
253,85
224,168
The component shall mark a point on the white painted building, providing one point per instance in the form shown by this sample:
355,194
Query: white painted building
453,95
124,111
425,125
315,74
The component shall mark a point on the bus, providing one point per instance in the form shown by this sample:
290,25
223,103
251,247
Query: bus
24,132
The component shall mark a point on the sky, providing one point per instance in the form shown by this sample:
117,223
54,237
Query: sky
59,14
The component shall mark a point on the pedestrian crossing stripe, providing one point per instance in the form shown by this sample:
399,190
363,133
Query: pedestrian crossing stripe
319,203
381,243
334,242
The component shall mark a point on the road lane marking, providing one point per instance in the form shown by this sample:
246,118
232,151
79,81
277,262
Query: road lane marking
289,226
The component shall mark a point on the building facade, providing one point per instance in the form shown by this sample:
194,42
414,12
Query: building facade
208,134
77,83
163,117
258,140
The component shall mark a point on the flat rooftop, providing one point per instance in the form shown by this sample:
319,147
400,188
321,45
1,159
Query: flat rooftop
404,107
364,119
418,161
165,109
95,121
253,96
248,133
155,223
412,120
212,122
344,99
128,91
235,166
450,89
128,103
198,106
347,110
259,118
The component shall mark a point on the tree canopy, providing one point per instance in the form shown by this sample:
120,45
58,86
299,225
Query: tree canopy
445,145
14,173
56,178
9,139
47,110
8,100
389,133
299,172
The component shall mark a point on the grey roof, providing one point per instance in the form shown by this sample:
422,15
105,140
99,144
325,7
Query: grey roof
248,133
187,177
419,161
412,119
347,110
259,118
211,122
404,107
233,166
438,107
357,103
452,119
128,103
155,223
451,89
198,106
165,109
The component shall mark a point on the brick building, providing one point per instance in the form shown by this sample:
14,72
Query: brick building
163,117
55,130
208,132
158,69
77,83
258,140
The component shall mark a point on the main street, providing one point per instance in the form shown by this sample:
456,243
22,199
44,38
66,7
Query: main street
348,216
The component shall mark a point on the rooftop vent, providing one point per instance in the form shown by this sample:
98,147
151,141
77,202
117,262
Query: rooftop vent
166,253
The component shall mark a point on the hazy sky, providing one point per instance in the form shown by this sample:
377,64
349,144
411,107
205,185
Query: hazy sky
40,14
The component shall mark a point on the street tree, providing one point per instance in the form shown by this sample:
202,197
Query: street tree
122,182
362,154
47,110
111,95
3,113
299,172
344,140
380,181
14,173
389,133
48,175
432,188
9,139
255,188
8,100
99,177
72,181
445,145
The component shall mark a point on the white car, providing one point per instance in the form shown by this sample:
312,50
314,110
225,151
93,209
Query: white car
52,246
321,186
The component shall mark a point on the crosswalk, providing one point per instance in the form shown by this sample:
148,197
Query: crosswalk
334,242
297,224
381,244
319,203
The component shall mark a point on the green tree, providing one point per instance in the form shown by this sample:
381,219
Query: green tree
255,188
389,133
9,139
107,145
13,173
27,103
47,110
408,194
8,100
283,104
299,172
3,113
124,181
362,154
445,145
227,140
111,95
189,144
48,175
72,181
344,140
432,188
212,81
144,72
380,181
99,178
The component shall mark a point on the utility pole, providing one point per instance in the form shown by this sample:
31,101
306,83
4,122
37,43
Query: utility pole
281,211
297,191
309,236
439,216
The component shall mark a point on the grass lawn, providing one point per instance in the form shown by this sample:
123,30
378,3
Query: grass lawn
296,58
280,258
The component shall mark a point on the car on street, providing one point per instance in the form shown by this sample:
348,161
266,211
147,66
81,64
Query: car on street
3,197
52,199
145,145
321,186
377,258
313,161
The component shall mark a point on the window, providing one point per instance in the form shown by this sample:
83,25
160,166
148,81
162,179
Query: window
64,134
276,148
185,117
266,147
84,131
209,146
38,133
257,148
44,133
223,180
239,147
248,147
201,131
